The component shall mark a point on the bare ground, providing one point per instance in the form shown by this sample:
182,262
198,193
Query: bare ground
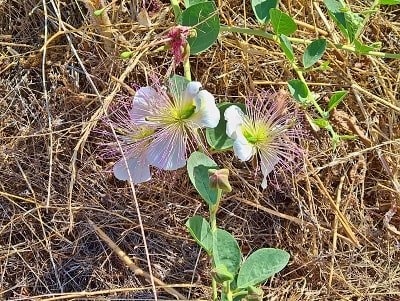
60,73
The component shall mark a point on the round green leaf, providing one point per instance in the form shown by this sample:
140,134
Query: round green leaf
204,18
261,265
281,22
200,230
216,137
298,90
314,52
286,47
261,9
198,165
226,251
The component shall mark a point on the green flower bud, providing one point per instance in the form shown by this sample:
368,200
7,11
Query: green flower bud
219,179
254,294
221,274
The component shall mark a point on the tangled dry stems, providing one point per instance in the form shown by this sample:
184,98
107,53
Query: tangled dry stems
52,179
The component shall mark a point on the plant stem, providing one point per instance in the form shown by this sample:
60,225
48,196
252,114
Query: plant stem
213,212
214,289
176,8
260,33
186,64
213,222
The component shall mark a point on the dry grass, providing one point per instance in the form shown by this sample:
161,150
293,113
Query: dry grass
55,89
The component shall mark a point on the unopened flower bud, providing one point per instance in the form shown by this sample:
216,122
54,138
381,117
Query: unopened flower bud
254,294
221,274
219,179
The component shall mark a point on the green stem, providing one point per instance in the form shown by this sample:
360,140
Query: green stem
186,64
213,212
176,8
310,97
214,289
260,33
213,222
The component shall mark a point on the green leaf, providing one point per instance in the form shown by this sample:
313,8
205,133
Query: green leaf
193,2
336,99
298,90
200,230
322,123
361,48
226,251
203,17
389,2
314,52
335,11
198,165
261,9
99,12
176,85
347,21
286,47
281,22
261,265
216,137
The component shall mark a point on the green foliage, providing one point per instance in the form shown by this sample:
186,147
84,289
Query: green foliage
216,137
363,49
200,230
198,165
347,21
203,17
389,2
193,2
336,99
261,9
314,52
226,251
298,90
322,123
286,46
99,12
177,84
126,54
261,265
281,22
221,274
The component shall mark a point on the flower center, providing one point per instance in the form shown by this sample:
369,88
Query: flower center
255,133
186,112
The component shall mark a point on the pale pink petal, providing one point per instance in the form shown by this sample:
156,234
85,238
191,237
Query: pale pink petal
144,102
168,150
138,168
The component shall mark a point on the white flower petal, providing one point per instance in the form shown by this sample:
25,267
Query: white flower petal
168,150
138,168
143,105
206,114
242,148
234,119
188,96
268,163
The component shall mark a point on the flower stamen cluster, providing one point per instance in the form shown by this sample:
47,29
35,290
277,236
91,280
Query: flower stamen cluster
265,132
